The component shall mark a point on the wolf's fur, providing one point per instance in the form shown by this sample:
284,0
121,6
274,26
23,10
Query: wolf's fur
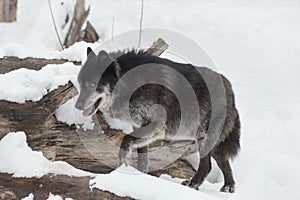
143,114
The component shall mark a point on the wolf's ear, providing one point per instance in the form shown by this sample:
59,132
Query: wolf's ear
89,51
103,55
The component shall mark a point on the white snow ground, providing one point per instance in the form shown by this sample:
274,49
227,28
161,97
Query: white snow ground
256,44
143,186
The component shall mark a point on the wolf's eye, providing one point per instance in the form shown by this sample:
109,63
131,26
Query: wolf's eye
90,85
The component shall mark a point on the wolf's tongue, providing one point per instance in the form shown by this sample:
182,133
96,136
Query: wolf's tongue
87,111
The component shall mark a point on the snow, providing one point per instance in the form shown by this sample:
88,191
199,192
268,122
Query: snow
127,181
32,84
21,161
29,197
68,114
50,197
54,197
256,44
118,124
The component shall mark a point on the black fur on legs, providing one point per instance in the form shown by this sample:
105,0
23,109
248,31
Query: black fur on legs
203,170
224,152
143,159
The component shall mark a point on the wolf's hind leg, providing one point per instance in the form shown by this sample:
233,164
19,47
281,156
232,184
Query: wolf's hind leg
226,150
224,165
203,170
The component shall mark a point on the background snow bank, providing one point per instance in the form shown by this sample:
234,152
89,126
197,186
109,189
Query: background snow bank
18,159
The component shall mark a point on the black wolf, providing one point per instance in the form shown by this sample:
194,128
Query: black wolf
98,79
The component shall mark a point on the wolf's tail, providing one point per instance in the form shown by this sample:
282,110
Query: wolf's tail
231,145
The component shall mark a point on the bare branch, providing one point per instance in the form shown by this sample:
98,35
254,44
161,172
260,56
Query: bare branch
62,47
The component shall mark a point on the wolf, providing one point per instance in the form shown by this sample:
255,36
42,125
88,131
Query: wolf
98,79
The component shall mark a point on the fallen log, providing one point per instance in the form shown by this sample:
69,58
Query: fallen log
64,186
11,63
92,150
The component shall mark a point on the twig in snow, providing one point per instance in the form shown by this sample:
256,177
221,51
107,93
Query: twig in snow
112,29
141,22
62,47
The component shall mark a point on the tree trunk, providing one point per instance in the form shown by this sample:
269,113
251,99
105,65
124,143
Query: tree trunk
8,10
75,34
89,34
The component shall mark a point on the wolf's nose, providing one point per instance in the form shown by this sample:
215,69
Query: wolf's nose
79,105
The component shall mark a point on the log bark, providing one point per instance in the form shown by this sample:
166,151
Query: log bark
158,47
8,64
64,186
8,10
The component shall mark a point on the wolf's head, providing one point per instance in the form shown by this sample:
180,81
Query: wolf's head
96,79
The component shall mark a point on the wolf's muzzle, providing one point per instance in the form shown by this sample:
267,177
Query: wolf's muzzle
79,105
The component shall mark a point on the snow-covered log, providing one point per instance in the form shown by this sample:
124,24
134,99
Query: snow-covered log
59,141
64,186
11,63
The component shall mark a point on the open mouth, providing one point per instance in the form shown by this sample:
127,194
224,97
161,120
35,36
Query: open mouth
92,109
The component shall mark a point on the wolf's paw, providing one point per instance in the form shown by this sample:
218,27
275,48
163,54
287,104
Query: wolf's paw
191,184
122,157
227,189
122,161
142,168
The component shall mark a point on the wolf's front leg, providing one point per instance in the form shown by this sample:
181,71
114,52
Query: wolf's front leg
140,139
143,159
125,148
